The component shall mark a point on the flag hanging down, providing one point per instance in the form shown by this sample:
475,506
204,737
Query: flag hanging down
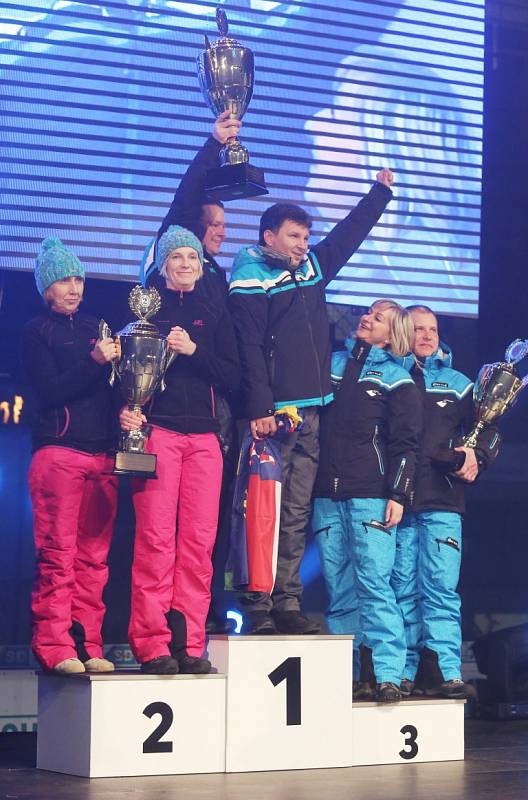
255,520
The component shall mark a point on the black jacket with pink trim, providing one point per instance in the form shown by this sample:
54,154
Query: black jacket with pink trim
188,403
73,399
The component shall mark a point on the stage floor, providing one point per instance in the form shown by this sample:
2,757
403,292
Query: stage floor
496,766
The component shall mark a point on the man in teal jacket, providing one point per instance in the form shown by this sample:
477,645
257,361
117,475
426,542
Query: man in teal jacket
278,305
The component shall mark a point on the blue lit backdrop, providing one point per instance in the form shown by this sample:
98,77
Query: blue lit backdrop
102,112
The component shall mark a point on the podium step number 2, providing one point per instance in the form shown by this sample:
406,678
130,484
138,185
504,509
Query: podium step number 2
121,725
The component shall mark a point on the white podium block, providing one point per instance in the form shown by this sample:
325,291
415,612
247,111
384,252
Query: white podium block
289,701
131,724
407,732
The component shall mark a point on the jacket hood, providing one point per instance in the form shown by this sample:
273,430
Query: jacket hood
442,358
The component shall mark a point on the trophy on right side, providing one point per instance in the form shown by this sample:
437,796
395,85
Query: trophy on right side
496,389
226,74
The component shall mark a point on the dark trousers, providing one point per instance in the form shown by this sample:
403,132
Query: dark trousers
299,459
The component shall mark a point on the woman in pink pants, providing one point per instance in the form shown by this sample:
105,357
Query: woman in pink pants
177,514
74,499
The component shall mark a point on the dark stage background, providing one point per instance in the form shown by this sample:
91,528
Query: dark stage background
494,578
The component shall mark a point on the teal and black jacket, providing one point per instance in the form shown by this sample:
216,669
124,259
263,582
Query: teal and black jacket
280,314
447,399
369,436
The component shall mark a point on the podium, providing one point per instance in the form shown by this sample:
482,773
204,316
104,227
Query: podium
275,703
123,724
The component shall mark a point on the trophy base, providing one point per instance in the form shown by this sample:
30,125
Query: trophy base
137,465
233,181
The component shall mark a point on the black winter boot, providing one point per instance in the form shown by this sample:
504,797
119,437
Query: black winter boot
428,674
189,665
366,686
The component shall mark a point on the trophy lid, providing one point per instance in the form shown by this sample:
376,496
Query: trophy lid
516,351
144,302
223,27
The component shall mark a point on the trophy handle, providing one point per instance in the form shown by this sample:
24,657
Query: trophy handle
169,358
113,373
106,333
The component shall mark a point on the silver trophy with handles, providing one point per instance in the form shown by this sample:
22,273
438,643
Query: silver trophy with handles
141,366
495,390
226,74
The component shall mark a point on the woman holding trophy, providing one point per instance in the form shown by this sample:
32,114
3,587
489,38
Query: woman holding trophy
73,494
176,515
369,443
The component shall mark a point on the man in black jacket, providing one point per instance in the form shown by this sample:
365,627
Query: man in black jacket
194,210
277,301
426,583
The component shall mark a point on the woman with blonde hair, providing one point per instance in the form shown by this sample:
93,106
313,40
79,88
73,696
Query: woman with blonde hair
369,441
177,514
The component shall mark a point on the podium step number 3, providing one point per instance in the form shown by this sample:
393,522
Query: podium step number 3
407,732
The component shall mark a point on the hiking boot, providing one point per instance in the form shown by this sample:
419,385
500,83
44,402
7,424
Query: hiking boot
454,689
407,687
162,665
293,622
193,665
363,691
388,693
258,623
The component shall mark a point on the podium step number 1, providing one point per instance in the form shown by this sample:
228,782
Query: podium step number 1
289,701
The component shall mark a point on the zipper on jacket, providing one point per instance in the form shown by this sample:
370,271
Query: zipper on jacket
376,448
399,473
336,485
271,360
314,350
213,404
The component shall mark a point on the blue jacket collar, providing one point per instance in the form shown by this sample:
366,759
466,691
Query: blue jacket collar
266,255
379,355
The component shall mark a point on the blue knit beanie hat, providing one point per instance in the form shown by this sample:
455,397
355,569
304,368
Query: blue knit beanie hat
55,262
175,237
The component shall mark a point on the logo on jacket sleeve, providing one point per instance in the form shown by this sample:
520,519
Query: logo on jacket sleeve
440,385
443,403
373,393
